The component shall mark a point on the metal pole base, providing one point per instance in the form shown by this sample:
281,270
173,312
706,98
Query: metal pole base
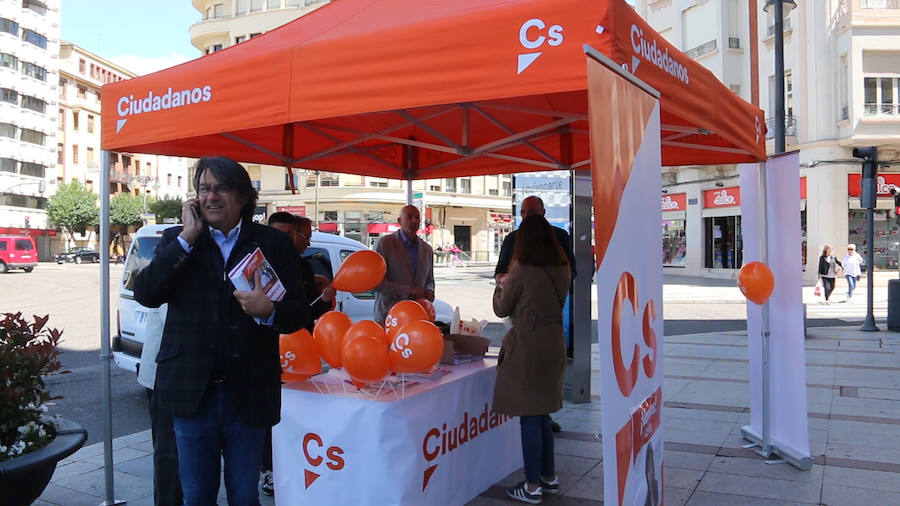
801,462
869,325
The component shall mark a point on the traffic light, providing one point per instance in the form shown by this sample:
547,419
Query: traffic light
869,155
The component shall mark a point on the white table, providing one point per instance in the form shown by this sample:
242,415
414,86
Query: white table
438,445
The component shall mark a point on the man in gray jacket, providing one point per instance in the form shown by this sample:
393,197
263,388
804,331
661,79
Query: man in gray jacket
410,265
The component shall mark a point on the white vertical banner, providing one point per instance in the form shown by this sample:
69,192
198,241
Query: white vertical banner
786,404
626,168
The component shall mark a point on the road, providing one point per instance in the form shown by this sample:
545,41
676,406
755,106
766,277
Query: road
70,293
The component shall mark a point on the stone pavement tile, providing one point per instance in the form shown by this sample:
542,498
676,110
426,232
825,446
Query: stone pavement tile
674,496
872,378
64,496
687,460
842,495
682,478
820,375
141,466
718,394
487,501
579,466
845,429
575,425
760,488
819,395
869,407
700,415
847,437
132,439
512,478
757,467
587,488
119,456
578,448
879,393
704,498
859,452
128,487
867,359
863,478
820,356
692,437
583,415
41,502
83,453
721,428
73,469
146,446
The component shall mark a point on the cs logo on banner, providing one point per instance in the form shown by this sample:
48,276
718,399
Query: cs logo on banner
312,450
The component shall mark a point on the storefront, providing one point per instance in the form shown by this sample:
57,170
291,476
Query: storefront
722,241
674,236
886,231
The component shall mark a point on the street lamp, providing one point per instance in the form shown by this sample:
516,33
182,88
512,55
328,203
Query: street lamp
779,9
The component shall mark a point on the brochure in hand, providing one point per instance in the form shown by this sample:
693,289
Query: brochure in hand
243,275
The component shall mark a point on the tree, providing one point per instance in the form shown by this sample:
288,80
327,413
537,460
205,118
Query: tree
166,208
125,209
73,208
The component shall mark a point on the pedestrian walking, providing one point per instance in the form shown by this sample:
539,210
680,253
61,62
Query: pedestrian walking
852,263
828,266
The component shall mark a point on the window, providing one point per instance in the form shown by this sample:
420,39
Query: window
735,88
32,70
9,26
179,181
9,96
788,93
9,61
239,39
378,184
329,215
36,6
287,181
90,123
257,34
62,87
434,187
34,38
23,245
75,154
82,91
319,261
61,119
32,136
90,156
60,154
328,181
213,48
97,96
292,3
465,185
242,7
81,66
493,192
256,5
507,188
881,96
7,165
34,104
273,4
8,130
843,88
450,185
32,169
75,116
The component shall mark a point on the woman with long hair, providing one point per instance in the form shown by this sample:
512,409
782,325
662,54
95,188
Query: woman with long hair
828,266
532,358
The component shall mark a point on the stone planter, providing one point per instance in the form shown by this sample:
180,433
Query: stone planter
23,479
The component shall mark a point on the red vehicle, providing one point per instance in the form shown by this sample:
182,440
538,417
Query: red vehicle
17,252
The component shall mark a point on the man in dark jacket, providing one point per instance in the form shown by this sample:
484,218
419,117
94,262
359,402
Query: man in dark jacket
534,205
218,371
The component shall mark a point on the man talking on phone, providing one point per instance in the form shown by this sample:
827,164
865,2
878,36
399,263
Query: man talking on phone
218,370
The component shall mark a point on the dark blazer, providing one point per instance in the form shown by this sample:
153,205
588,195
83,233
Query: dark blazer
399,277
509,244
308,281
207,332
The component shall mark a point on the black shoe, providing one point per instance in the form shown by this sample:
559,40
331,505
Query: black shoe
551,487
268,483
555,427
520,493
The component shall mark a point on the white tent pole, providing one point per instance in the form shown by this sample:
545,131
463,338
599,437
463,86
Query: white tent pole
105,355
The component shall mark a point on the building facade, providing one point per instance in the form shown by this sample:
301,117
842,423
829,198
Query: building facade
471,212
842,67
29,42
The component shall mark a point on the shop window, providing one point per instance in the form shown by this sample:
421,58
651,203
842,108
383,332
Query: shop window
886,232
723,244
674,243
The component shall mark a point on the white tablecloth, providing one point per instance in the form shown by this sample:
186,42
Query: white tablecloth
439,445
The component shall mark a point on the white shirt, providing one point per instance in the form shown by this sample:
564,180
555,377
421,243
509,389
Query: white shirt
851,263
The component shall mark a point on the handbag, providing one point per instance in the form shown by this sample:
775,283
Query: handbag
818,292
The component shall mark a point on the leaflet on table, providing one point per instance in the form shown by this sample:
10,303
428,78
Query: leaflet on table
243,275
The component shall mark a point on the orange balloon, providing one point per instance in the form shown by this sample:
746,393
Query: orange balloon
416,347
428,307
366,328
366,359
402,313
361,271
756,282
299,356
329,336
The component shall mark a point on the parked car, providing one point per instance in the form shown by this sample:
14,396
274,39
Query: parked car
17,252
135,321
78,255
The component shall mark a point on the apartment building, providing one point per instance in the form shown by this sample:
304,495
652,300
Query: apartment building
842,67
78,150
29,34
472,212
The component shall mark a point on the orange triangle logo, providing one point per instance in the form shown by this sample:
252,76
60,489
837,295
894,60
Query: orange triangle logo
427,475
310,477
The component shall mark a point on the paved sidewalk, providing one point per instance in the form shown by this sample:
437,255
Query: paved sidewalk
853,381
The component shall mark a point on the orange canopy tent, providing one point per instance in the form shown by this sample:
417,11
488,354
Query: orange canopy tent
413,89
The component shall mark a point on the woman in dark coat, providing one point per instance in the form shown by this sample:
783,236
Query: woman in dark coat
828,266
532,358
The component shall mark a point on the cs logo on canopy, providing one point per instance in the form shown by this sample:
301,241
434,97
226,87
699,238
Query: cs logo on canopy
533,34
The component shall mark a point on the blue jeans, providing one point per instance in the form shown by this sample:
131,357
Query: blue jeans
851,284
537,448
213,432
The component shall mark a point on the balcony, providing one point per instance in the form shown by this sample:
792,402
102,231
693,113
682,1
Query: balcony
770,31
702,49
881,4
790,127
882,110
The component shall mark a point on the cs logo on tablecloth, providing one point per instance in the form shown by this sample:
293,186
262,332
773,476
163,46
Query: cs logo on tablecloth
313,447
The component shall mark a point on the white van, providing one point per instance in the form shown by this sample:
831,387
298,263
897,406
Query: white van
326,252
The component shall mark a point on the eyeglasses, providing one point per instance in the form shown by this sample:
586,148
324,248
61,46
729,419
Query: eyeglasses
303,236
219,189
